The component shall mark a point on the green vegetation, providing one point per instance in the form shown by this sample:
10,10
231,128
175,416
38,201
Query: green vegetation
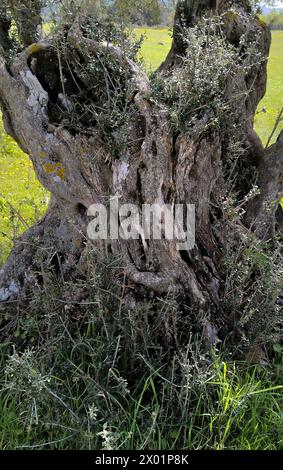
104,112
271,104
229,408
148,12
104,375
274,19
22,198
156,45
199,85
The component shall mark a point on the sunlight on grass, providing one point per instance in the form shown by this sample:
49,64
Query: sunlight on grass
273,100
157,43
22,198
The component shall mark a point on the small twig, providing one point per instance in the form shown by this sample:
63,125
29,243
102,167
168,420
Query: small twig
49,443
61,71
54,395
277,122
17,213
116,352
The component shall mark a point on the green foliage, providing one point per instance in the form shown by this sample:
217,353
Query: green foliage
97,98
274,19
252,286
197,90
271,104
109,374
157,44
137,11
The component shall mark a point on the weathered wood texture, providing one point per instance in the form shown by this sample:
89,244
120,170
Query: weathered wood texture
161,167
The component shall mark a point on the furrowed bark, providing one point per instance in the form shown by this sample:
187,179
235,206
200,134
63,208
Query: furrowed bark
160,167
264,211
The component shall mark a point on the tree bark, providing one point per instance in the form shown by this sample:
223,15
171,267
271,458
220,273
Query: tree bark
162,166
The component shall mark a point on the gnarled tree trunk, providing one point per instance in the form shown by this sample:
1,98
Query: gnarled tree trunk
161,166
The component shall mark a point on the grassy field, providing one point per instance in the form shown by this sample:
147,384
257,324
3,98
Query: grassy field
273,100
23,200
156,45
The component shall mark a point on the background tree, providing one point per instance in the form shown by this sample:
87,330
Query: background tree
96,127
27,16
146,12
274,19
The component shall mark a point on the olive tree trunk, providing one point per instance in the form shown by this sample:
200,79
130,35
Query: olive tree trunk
161,166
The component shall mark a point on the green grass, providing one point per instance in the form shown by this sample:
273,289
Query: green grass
273,100
22,198
156,45
229,413
74,389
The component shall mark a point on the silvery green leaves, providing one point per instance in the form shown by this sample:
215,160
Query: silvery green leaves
204,86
